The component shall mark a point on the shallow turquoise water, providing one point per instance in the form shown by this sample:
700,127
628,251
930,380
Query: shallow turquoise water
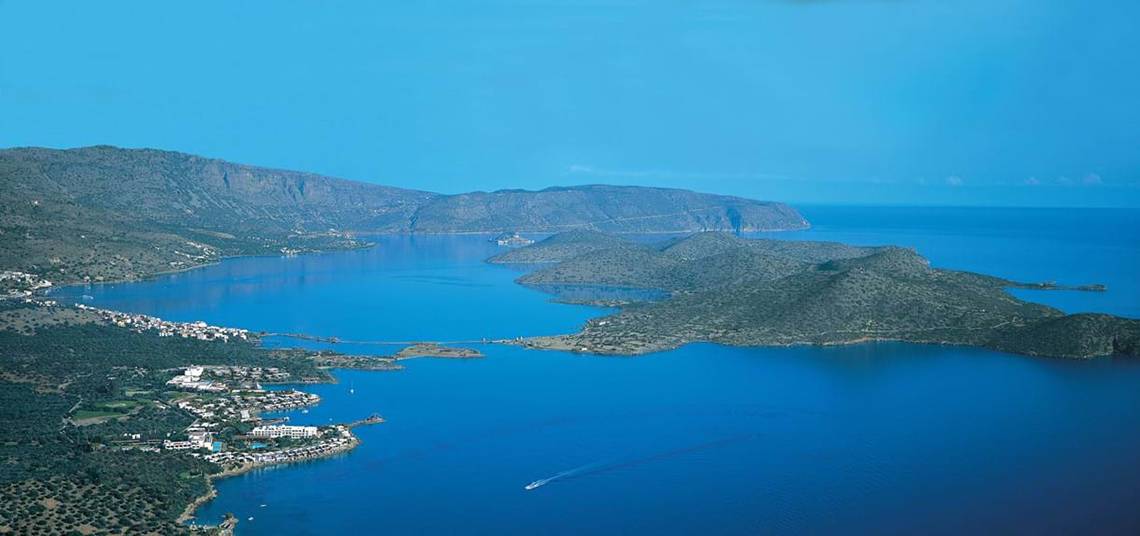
872,438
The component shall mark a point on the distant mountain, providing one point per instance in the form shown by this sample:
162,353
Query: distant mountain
725,289
621,209
110,213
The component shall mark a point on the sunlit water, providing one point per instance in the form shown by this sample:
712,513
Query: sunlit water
871,438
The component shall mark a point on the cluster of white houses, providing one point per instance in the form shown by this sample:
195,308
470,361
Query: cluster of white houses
513,240
15,284
191,380
285,400
194,330
219,379
247,376
235,404
245,405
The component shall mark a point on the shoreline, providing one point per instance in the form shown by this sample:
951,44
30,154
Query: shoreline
806,227
212,492
556,343
433,350
370,245
215,262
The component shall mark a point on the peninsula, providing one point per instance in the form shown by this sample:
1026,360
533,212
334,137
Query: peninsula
119,423
718,287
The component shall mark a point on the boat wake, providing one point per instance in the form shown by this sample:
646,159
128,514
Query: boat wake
564,474
599,467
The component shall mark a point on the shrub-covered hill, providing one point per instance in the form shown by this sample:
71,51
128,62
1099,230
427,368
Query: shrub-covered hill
725,289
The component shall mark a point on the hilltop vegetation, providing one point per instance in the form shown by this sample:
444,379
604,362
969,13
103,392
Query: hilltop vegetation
723,259
105,213
725,289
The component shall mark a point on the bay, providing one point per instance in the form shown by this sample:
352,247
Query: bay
712,439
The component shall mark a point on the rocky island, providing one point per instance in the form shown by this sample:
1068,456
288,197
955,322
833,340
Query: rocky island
428,349
718,287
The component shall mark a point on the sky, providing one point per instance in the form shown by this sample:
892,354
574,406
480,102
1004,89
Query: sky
995,102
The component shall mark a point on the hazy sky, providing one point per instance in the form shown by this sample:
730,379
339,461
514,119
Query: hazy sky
998,102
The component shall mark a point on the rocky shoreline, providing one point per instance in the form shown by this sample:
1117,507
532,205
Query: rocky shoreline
428,349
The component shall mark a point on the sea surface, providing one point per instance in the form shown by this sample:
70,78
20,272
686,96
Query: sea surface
875,438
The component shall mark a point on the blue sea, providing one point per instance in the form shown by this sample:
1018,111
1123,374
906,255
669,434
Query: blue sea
875,438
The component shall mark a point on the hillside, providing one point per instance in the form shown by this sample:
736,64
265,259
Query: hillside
615,209
103,213
697,261
191,191
107,213
735,291
560,247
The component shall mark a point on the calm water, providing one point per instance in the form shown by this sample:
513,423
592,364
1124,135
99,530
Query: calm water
873,438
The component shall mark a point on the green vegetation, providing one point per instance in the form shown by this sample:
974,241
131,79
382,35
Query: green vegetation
105,410
57,478
88,414
70,396
105,492
614,262
725,289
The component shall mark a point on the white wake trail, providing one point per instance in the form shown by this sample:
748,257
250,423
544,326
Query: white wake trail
598,467
570,472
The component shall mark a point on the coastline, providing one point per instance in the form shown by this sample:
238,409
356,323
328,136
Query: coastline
213,512
559,343
423,351
806,227
369,245
212,492
219,260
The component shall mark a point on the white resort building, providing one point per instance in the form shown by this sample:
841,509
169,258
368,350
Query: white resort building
280,430
191,380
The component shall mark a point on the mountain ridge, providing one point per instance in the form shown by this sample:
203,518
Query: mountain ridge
108,213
